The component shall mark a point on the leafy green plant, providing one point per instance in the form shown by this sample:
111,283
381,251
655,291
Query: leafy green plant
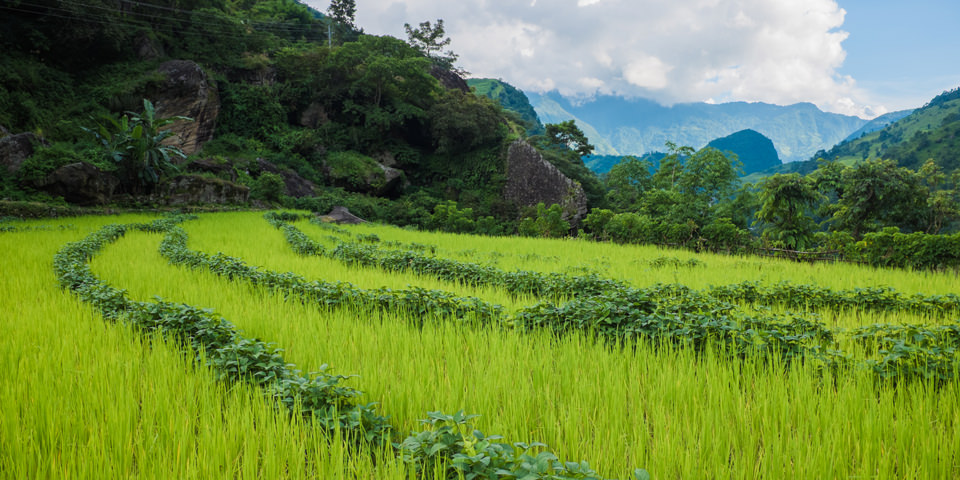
135,143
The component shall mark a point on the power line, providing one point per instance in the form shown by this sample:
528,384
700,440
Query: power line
165,23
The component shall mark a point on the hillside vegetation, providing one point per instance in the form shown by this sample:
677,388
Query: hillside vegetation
931,132
381,125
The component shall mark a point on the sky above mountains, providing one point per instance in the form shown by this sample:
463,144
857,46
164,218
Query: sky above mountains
857,57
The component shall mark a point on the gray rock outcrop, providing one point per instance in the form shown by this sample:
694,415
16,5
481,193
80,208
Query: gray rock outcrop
188,92
531,180
14,149
80,183
449,80
194,189
342,215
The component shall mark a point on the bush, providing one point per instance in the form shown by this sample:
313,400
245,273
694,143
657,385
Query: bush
269,187
352,170
548,223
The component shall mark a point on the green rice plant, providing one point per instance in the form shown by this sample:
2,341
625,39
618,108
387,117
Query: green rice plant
84,398
676,411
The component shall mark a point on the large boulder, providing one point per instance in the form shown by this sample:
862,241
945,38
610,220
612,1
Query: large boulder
195,189
14,149
449,80
359,173
341,214
532,180
80,183
295,185
188,92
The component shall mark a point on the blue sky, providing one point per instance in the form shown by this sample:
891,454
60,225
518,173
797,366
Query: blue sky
855,57
903,52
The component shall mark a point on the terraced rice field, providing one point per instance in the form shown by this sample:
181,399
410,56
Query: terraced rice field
626,357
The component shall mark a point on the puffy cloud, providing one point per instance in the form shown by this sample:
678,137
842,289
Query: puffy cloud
776,51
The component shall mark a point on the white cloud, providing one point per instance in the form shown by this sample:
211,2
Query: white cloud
647,72
776,51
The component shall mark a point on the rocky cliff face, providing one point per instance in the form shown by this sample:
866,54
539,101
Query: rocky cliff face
531,180
188,92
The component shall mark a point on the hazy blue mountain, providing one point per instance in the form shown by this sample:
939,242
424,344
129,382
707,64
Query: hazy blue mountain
878,123
754,150
620,126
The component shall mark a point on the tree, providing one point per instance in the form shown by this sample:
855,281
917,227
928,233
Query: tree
430,40
671,166
135,143
568,134
878,193
343,12
785,201
709,175
627,181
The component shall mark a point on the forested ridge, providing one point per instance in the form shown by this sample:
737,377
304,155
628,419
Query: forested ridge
313,113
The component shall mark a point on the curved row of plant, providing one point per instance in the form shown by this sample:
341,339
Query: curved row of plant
552,285
217,342
677,315
318,396
789,295
816,298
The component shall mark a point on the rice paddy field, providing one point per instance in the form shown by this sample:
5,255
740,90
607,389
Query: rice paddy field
83,396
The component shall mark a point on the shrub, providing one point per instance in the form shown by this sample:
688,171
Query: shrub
268,186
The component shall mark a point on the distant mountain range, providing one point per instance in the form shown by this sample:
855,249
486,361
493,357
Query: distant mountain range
620,126
931,132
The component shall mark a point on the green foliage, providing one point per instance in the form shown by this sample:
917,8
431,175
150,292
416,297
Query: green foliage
136,144
429,40
250,111
463,452
786,201
269,187
548,223
448,218
567,134
627,182
353,171
343,12
511,99
877,193
461,122
46,159
516,282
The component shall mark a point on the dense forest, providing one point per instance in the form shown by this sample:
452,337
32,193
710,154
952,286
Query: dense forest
382,125
389,128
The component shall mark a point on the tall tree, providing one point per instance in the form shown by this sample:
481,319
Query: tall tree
568,134
878,193
627,181
430,39
343,12
785,204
